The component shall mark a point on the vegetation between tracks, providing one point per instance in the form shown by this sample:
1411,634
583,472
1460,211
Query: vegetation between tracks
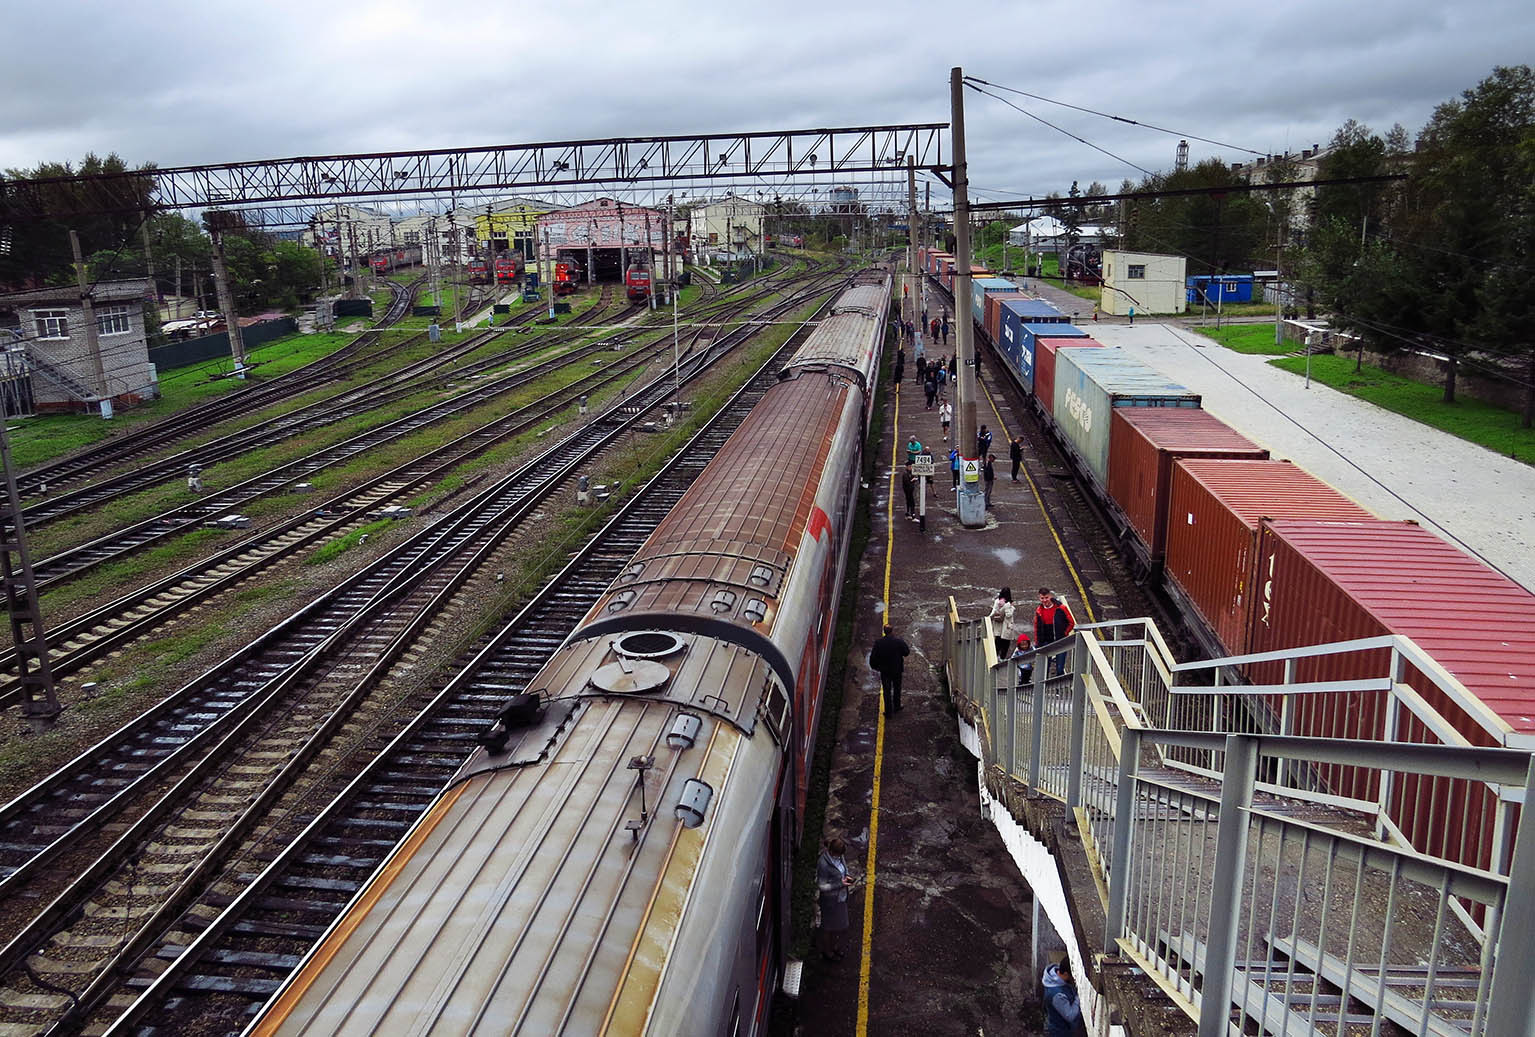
1471,420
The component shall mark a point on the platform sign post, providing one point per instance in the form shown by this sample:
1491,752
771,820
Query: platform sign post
922,468
972,499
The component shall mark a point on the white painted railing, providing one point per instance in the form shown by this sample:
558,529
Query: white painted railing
1272,872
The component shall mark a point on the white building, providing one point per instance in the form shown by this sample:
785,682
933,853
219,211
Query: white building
1148,281
51,325
340,225
1048,234
729,226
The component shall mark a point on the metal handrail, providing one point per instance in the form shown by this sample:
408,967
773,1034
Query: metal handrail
1183,912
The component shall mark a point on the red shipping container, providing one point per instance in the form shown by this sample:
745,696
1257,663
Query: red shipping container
1324,582
1143,444
1213,513
992,306
1044,366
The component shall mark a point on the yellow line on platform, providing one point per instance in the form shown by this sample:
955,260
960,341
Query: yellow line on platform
1087,606
864,956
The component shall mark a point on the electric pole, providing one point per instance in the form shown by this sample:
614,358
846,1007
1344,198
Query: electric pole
972,500
226,296
40,702
92,337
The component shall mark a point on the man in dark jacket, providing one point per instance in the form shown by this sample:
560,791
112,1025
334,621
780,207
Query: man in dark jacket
1062,1010
983,442
1052,622
888,659
1015,454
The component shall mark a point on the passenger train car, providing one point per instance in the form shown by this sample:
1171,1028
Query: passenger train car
620,862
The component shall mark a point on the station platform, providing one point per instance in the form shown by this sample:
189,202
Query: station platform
942,938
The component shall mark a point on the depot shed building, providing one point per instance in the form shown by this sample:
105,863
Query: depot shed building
51,323
1149,281
604,237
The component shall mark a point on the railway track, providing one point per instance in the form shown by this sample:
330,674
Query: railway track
214,972
193,421
279,690
81,641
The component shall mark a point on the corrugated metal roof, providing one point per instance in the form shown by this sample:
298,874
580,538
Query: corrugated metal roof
1184,428
1118,373
1477,623
1027,308
1256,490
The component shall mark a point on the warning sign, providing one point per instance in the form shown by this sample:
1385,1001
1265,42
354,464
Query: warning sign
971,466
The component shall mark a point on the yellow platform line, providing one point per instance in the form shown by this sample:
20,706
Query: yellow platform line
865,955
1076,578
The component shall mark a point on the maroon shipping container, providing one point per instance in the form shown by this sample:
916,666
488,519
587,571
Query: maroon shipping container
1213,513
1335,581
1143,444
1044,365
992,304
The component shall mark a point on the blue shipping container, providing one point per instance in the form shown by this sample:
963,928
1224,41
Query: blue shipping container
1089,383
1225,288
1036,311
1017,342
980,288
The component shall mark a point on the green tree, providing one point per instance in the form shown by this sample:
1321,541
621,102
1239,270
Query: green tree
40,206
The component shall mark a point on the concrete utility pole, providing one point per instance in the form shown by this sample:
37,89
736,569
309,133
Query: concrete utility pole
972,498
351,233
149,264
92,336
913,278
227,299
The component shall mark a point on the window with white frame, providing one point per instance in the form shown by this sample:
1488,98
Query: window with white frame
1137,271
52,323
114,319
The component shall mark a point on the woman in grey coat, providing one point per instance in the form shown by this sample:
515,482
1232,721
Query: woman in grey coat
833,882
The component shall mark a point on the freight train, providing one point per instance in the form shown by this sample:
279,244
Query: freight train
637,283
394,259
567,277
616,859
1260,556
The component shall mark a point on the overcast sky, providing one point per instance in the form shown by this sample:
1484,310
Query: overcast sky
180,83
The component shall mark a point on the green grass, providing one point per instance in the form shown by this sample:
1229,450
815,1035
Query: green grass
1471,420
342,544
1234,309
1255,339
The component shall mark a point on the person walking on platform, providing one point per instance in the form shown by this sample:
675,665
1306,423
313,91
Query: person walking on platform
953,366
1062,1010
921,368
989,475
954,466
1015,454
832,883
930,390
1053,622
900,365
913,448
933,327
909,487
888,659
946,415
944,327
983,442
1003,632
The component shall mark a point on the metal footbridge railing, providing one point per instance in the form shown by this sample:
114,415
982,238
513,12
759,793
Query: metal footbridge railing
1271,881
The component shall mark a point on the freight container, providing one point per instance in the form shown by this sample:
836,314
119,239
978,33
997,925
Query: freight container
935,261
1041,362
1037,311
1090,384
1332,581
991,322
1143,444
982,287
1017,345
1214,511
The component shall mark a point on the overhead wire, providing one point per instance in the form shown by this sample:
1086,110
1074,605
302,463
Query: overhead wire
1115,118
1058,129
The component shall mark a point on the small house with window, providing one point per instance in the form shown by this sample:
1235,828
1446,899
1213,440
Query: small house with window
1149,281
47,326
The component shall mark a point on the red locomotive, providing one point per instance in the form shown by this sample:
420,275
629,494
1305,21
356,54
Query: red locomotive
567,277
637,283
479,271
507,268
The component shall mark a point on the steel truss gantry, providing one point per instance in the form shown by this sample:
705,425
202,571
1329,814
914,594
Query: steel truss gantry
779,156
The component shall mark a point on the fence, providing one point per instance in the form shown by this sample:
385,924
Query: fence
1229,869
206,347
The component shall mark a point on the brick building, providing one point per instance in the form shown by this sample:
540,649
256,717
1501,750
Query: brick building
50,324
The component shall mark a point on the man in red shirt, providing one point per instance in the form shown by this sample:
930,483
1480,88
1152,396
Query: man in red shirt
1053,621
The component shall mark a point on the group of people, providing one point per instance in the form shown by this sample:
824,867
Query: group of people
1053,622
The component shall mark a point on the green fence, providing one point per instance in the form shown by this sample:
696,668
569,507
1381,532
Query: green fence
195,350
